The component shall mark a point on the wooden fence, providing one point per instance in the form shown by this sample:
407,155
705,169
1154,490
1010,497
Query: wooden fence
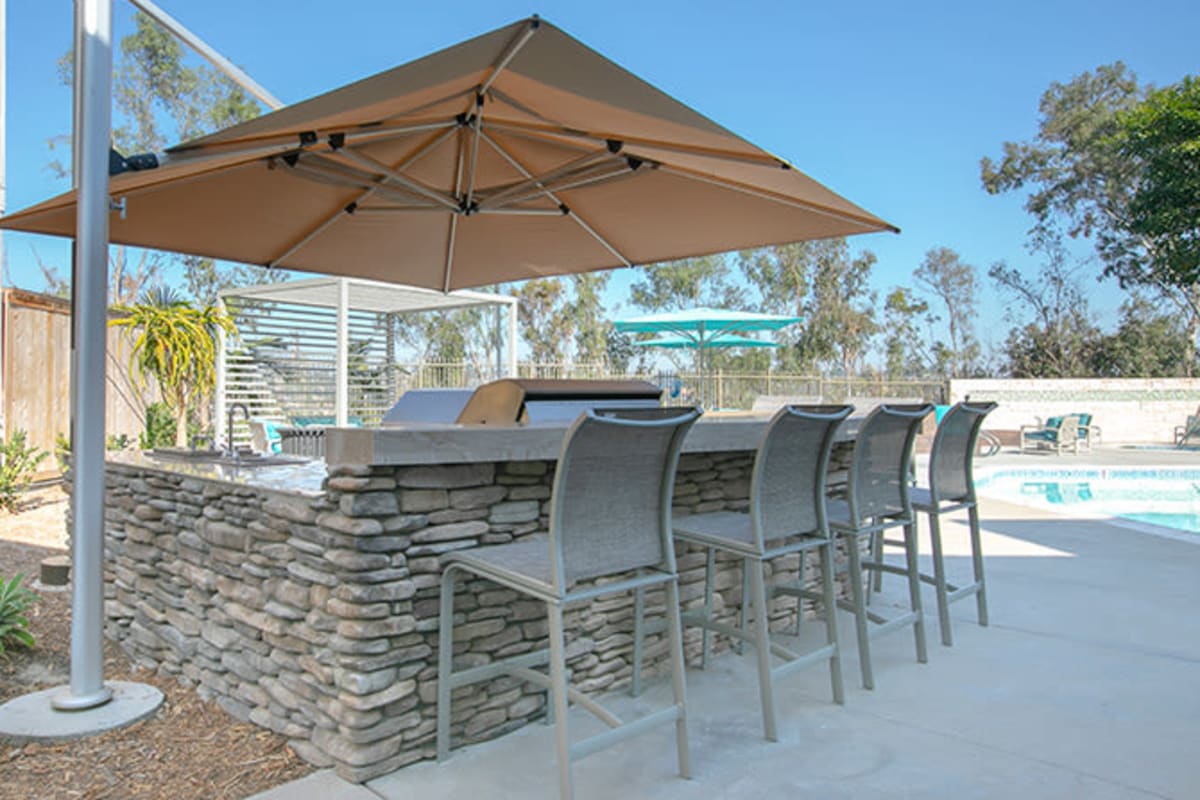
35,377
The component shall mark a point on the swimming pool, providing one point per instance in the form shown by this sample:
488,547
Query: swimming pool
1166,497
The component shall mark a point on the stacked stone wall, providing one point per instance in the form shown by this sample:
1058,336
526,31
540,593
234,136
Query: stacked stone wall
317,616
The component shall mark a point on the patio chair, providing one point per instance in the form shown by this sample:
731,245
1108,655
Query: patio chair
1188,430
877,498
787,515
952,488
264,435
610,514
1058,434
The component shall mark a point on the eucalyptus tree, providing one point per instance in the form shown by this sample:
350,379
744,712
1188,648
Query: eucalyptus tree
158,98
545,318
1055,336
905,354
688,283
953,283
588,314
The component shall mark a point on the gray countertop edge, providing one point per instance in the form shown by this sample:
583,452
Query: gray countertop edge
460,444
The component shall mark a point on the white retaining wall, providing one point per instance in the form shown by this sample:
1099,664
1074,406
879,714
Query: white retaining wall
1126,409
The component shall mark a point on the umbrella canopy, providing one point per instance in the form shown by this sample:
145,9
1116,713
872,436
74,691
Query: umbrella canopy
517,154
723,340
703,324
703,329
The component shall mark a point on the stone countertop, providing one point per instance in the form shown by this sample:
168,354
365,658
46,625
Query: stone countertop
427,443
303,477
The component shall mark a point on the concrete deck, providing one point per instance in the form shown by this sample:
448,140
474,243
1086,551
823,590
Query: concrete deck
1087,684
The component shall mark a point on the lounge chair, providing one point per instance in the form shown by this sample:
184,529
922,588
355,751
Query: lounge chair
1188,430
1058,434
264,435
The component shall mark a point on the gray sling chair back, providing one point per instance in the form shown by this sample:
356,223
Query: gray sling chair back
952,488
787,515
610,515
876,499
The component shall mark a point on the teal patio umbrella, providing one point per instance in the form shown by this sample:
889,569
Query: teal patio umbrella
703,329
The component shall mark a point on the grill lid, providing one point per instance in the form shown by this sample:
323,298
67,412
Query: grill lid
515,401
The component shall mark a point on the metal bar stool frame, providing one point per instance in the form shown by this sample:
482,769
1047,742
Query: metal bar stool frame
786,515
877,498
952,488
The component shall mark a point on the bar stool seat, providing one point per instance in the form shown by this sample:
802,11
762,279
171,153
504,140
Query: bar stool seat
526,563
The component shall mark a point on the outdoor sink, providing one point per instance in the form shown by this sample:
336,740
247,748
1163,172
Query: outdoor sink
211,456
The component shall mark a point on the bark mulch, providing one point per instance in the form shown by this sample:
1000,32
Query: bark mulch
190,748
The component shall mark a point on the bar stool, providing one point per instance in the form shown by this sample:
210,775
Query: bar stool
952,488
876,499
610,513
787,515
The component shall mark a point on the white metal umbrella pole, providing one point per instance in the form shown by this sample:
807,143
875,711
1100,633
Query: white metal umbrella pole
93,86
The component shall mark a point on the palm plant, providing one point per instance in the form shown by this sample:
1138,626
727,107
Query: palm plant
175,343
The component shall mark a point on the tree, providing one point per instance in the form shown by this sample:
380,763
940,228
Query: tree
904,353
820,282
1061,340
176,345
1083,175
153,85
1162,134
951,281
1147,344
546,320
587,313
688,283
781,274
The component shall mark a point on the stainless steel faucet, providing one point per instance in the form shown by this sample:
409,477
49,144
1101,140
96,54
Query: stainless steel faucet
231,449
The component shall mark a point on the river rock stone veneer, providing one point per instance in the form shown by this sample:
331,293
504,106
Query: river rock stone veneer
315,615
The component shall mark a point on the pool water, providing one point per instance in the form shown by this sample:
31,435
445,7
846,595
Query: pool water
1165,497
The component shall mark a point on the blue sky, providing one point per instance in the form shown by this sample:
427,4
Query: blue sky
890,104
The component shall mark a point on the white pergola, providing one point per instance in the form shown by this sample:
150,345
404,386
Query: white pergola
346,294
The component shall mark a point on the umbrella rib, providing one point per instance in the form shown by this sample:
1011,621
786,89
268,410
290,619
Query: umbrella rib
458,176
539,182
613,173
368,193
476,127
517,165
514,47
815,208
556,132
289,142
395,175
509,54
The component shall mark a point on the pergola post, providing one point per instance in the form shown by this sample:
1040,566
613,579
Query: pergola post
512,339
342,367
219,432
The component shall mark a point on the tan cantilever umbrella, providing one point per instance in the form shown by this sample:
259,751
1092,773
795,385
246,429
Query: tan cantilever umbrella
516,154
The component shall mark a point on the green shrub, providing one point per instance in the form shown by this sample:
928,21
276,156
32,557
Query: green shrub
62,452
18,462
160,427
15,600
117,441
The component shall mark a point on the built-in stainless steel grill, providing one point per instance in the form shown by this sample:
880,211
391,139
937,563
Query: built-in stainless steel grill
527,401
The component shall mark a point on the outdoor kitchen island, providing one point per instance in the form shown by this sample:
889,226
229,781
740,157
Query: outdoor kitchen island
304,598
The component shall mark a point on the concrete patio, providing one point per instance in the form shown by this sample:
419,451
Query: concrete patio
1087,684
